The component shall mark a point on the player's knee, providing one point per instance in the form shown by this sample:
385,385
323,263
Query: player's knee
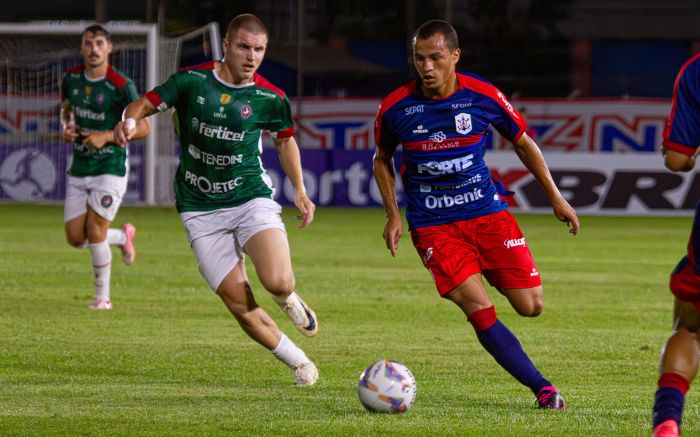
77,241
531,308
279,283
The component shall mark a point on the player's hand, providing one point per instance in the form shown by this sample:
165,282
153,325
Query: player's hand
565,213
70,133
124,131
393,230
306,208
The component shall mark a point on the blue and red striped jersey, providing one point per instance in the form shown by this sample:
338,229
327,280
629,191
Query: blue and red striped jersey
682,130
444,175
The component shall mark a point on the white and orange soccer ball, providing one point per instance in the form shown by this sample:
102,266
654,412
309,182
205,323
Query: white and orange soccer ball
387,387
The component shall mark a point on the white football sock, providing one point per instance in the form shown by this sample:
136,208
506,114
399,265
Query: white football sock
289,353
116,237
101,256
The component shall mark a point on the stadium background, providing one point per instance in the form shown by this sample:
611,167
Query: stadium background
594,78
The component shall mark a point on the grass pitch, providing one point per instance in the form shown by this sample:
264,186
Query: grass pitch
170,360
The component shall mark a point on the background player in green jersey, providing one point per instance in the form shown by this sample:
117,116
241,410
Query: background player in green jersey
93,97
223,193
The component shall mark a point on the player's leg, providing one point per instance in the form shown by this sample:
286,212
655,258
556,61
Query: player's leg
471,297
105,194
222,264
508,264
96,232
528,302
75,211
262,235
269,252
678,367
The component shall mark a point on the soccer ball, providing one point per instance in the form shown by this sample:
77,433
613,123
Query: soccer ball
387,387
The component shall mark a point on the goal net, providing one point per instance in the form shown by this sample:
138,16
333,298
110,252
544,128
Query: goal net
33,58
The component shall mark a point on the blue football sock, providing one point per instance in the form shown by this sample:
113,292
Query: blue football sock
500,342
668,404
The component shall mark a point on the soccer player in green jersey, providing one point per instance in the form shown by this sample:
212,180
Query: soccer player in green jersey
93,97
223,193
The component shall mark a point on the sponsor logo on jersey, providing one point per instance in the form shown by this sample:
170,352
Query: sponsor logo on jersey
224,99
514,242
197,73
438,137
446,167
90,115
221,113
414,109
100,98
507,104
246,111
211,159
206,186
447,201
219,132
420,130
456,106
463,123
195,123
200,100
263,93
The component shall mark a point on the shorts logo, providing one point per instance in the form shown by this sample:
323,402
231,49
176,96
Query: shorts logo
463,123
428,255
224,99
534,272
246,111
106,201
514,242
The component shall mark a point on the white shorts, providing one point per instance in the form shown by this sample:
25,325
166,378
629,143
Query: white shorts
217,237
103,193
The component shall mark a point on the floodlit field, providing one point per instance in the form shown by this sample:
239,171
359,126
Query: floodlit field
169,360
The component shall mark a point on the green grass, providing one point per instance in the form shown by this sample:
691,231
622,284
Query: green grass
170,360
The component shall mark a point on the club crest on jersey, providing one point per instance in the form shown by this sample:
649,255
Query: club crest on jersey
224,99
463,123
246,111
88,90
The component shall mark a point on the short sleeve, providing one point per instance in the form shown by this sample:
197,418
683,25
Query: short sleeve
682,130
168,93
384,136
282,124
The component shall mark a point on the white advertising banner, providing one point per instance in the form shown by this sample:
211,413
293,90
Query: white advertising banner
601,183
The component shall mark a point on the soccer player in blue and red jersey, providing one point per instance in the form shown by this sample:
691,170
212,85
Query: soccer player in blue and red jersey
679,359
458,222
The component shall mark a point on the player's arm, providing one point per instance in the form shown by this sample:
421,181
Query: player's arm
290,158
134,124
676,161
68,130
531,156
385,176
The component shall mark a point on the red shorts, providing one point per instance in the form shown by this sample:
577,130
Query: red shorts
685,283
492,245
